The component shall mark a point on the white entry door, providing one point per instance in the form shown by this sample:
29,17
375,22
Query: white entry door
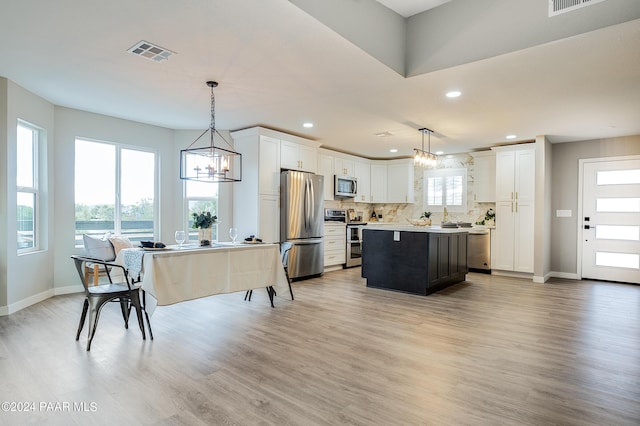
611,220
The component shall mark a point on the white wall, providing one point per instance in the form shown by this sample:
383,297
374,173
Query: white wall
542,222
3,194
473,30
28,276
71,123
33,277
564,193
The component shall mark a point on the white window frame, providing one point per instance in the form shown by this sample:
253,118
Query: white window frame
34,190
117,221
445,174
192,234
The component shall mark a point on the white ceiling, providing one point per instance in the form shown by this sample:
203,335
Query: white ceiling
279,67
409,8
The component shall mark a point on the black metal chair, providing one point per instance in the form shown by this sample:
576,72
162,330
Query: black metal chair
285,247
96,297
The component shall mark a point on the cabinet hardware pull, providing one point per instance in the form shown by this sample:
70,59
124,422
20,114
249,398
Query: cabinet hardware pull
512,195
512,207
516,195
516,207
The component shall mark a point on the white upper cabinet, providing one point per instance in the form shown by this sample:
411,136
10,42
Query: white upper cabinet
484,174
295,156
325,168
400,181
269,165
256,198
344,167
378,182
363,175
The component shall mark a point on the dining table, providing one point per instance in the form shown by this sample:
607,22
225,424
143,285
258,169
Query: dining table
179,273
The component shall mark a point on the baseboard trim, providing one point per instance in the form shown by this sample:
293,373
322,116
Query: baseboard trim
511,274
58,291
566,275
31,300
37,298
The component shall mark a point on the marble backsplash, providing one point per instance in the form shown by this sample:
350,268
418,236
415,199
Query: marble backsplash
401,213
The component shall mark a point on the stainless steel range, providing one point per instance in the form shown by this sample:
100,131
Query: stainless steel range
354,235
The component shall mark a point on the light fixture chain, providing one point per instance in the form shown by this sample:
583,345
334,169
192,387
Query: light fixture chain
213,112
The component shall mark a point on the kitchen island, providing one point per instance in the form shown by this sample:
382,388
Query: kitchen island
413,259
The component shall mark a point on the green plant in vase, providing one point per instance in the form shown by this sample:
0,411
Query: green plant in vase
203,222
490,217
426,217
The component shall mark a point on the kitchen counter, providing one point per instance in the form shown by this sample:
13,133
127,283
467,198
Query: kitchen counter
410,228
413,259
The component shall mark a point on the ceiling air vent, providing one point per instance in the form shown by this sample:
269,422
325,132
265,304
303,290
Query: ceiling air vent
150,51
556,7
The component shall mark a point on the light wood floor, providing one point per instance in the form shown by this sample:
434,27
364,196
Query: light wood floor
489,351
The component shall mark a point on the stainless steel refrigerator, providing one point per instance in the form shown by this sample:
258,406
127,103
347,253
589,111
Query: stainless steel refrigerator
302,221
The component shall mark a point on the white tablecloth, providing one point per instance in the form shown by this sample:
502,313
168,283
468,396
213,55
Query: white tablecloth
175,275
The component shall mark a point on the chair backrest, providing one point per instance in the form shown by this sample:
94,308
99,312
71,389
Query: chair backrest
80,261
284,253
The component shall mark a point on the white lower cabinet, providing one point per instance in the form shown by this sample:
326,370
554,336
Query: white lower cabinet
269,218
335,244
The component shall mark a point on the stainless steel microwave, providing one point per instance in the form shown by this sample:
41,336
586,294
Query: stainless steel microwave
346,186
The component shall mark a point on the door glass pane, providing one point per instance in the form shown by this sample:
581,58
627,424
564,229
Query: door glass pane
95,196
618,205
618,232
26,220
137,194
618,260
618,177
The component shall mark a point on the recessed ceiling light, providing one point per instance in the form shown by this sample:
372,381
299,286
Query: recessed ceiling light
307,125
439,152
511,136
383,134
454,94
393,150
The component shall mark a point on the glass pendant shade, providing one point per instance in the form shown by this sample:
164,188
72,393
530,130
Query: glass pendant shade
424,158
211,163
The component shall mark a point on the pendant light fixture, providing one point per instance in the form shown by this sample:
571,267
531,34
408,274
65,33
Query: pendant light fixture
211,163
424,158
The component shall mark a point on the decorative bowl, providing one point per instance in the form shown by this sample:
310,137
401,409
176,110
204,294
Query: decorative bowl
420,222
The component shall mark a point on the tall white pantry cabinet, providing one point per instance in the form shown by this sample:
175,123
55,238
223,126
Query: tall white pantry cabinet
515,194
256,199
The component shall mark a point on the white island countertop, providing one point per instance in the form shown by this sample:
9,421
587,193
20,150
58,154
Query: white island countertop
387,226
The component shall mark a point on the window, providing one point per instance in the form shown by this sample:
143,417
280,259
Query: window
200,196
445,188
28,196
115,189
